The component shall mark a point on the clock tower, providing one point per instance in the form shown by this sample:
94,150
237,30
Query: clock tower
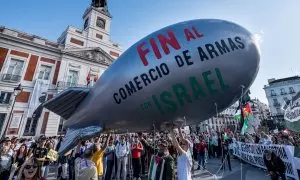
95,32
97,21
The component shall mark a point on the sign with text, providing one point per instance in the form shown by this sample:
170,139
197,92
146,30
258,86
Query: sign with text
253,154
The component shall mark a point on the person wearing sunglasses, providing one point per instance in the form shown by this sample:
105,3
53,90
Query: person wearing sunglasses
29,170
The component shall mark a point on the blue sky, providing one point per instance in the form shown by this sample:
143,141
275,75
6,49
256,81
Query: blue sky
276,22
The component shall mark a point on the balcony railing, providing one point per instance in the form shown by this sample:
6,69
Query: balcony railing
292,92
273,94
64,85
283,93
10,78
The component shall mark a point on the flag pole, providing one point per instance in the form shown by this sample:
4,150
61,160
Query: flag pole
241,108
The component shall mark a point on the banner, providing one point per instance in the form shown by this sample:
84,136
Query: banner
253,154
40,86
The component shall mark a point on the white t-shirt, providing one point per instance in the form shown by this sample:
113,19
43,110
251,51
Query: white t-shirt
184,166
214,140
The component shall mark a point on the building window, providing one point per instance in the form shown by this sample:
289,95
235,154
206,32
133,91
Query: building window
273,93
2,119
14,71
30,127
99,36
5,97
100,23
86,23
72,78
291,90
282,90
44,72
61,130
275,101
76,41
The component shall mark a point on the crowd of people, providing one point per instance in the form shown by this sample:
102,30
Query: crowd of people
120,156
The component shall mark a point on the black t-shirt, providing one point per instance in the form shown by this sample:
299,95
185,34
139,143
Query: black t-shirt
40,152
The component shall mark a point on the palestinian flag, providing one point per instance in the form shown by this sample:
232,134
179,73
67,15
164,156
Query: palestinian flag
237,115
247,110
248,115
155,161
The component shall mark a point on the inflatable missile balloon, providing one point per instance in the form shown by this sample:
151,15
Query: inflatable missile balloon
181,70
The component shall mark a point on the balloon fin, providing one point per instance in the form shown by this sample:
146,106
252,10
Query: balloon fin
74,136
66,102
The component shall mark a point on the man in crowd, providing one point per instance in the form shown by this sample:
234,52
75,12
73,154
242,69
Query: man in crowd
275,165
214,142
109,153
40,152
122,151
201,149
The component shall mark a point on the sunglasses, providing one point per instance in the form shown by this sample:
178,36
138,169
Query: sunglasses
30,166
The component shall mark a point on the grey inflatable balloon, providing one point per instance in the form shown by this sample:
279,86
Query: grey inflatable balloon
181,70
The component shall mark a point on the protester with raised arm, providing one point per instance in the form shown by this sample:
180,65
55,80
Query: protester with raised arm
184,160
98,156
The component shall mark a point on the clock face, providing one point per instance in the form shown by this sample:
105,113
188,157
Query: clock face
100,23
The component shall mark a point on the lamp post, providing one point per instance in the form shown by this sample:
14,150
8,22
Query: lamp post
17,91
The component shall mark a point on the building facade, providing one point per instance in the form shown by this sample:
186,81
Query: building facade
223,120
45,68
279,92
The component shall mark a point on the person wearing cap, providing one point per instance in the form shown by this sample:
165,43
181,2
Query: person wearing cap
275,165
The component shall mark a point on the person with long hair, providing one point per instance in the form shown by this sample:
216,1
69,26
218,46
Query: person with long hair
29,170
20,157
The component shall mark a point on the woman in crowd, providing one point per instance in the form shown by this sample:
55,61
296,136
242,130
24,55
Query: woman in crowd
184,160
29,170
98,157
20,157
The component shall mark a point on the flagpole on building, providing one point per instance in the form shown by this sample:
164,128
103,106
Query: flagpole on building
241,107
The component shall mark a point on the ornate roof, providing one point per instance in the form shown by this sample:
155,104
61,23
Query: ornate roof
91,54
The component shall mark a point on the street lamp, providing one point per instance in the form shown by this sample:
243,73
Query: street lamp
17,91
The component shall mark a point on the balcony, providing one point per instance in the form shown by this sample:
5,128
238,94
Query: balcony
65,85
292,92
273,94
283,93
10,78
